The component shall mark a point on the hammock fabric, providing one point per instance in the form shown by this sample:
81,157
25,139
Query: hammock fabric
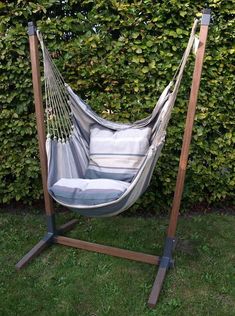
69,124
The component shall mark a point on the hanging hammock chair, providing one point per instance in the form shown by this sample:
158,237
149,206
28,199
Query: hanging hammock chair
97,167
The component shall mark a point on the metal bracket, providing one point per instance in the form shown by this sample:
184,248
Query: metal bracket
48,238
51,226
166,260
32,28
206,16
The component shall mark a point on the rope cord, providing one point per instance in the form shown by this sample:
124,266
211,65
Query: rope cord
191,38
58,111
164,117
61,99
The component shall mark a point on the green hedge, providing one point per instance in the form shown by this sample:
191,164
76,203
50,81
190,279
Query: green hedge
118,55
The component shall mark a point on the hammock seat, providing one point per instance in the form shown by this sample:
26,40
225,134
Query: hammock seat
69,124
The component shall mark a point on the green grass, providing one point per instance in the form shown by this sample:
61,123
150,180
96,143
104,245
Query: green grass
67,281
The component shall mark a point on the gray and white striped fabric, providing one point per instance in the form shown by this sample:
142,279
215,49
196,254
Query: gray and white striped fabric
117,155
70,160
88,192
80,145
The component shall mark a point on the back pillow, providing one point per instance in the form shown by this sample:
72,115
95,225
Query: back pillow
117,155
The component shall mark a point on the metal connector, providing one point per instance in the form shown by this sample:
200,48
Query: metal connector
206,16
32,29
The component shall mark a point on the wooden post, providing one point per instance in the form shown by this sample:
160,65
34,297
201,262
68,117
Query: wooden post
189,123
34,54
170,240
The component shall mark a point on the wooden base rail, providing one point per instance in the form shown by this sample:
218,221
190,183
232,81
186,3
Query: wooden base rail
44,243
34,252
157,286
67,226
112,251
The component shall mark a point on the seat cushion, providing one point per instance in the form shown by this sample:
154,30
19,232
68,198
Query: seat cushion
117,154
88,191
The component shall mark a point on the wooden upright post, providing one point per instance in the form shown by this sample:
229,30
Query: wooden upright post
51,229
34,54
189,123
166,260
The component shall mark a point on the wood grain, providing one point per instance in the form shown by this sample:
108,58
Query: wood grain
188,131
34,55
113,251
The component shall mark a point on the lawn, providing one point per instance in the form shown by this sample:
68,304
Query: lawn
67,281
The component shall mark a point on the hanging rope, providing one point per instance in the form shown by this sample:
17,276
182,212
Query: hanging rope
162,121
58,111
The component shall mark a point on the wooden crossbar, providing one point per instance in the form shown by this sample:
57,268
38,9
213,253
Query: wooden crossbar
108,250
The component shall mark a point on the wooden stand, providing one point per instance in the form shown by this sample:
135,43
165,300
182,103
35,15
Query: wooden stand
55,236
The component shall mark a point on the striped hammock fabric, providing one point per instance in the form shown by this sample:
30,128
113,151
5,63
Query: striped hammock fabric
117,155
98,167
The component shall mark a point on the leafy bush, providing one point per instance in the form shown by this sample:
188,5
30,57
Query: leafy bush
119,55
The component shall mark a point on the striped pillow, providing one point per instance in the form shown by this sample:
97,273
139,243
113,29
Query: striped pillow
87,192
117,155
